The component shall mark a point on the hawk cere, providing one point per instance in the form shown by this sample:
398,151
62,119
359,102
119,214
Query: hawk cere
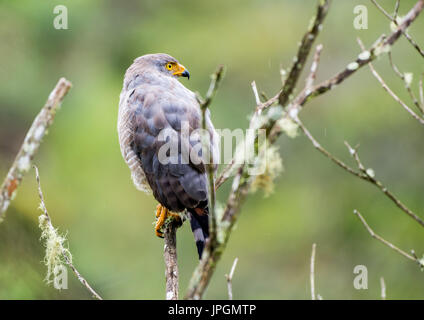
154,104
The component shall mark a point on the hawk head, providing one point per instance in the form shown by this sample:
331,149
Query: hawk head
160,63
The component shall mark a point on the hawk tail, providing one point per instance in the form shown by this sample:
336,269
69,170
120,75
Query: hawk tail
200,226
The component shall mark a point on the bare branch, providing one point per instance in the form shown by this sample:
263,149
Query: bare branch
314,68
387,243
230,279
407,84
31,144
255,93
312,273
212,253
170,257
395,21
369,175
394,96
318,146
303,52
216,79
363,173
383,289
382,9
397,5
65,253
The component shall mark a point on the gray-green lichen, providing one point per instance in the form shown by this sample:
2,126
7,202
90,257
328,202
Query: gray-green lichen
271,166
54,244
352,66
408,77
289,127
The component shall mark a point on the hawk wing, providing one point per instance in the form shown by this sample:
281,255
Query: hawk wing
158,114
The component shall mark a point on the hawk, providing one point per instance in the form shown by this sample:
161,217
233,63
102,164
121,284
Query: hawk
157,125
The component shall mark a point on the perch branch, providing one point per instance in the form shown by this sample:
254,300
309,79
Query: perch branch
64,253
170,257
31,144
229,278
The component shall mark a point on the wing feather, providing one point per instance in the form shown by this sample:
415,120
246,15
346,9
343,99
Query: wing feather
176,185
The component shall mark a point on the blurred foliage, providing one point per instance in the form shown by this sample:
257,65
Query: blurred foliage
87,185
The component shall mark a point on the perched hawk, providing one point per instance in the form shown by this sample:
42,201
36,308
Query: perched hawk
154,109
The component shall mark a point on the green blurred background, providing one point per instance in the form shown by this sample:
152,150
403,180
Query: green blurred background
108,222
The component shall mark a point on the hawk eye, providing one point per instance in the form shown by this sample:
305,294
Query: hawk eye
169,66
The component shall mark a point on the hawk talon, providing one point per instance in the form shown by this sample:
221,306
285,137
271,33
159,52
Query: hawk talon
162,214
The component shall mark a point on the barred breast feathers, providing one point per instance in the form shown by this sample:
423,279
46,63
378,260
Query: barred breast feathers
125,134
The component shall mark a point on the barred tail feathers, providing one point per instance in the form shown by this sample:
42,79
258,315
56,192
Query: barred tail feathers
200,226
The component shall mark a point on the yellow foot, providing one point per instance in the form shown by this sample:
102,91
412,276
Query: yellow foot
161,214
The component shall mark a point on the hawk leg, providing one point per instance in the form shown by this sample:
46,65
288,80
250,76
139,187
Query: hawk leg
162,214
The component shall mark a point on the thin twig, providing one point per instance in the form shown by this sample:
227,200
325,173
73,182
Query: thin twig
397,5
314,68
387,243
64,253
171,261
394,96
31,144
255,93
391,93
363,173
369,175
402,76
229,278
318,146
382,9
312,273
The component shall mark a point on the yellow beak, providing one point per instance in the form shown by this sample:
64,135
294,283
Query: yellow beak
181,71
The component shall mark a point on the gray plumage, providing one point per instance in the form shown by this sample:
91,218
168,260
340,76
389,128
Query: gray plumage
153,100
